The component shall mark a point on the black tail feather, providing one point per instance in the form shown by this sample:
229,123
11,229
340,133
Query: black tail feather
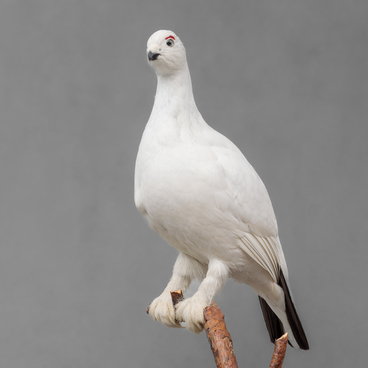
273,323
292,315
274,326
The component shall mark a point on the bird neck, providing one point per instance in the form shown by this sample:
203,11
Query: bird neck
174,93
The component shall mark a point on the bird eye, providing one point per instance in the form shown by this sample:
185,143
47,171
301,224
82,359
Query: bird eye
170,42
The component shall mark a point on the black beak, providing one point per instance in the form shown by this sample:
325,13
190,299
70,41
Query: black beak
152,56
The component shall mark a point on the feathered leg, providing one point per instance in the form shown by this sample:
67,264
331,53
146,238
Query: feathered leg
185,270
191,310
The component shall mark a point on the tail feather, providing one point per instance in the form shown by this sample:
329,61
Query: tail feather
273,323
274,326
292,315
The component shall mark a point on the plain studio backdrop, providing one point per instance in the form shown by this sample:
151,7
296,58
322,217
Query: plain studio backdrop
286,80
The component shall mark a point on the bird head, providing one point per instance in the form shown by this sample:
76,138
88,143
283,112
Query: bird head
166,53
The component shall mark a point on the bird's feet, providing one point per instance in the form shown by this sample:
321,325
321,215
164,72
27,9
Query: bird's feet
191,311
162,309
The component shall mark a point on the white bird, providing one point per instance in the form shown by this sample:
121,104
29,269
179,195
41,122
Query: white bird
198,191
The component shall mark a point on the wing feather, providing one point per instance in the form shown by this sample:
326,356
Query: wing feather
266,252
248,201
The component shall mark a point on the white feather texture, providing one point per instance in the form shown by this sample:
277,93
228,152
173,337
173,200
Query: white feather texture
198,191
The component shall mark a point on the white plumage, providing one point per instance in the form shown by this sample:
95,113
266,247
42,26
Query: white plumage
198,191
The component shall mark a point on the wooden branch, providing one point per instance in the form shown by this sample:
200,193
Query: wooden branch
176,296
217,334
279,351
220,339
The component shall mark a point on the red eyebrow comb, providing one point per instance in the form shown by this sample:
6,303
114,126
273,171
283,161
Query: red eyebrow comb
170,37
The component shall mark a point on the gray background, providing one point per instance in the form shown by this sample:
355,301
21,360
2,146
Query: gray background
286,80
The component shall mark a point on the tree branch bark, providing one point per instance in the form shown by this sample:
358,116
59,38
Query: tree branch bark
279,351
219,337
